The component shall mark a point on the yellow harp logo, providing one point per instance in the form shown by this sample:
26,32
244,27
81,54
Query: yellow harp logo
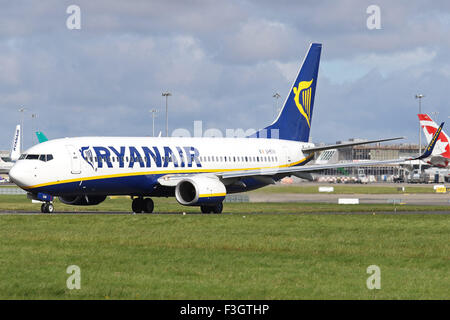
304,90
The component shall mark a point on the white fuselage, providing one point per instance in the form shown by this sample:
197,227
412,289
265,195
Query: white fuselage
132,165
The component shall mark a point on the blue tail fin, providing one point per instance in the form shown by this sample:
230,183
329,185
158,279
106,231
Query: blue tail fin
294,120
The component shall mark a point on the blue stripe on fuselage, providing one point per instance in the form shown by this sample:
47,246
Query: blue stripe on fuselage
127,185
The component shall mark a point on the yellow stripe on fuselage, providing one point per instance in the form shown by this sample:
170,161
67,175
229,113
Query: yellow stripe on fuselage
130,174
212,195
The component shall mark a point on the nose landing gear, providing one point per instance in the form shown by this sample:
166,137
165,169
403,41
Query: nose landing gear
47,207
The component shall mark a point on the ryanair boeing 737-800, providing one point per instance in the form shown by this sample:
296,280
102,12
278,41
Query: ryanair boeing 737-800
197,171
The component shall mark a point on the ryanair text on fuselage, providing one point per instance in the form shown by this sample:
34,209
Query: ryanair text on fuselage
143,156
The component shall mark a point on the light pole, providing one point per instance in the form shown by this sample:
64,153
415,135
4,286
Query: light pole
22,110
153,111
167,95
276,96
34,116
420,96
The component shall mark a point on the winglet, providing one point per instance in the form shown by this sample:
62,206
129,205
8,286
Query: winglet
429,150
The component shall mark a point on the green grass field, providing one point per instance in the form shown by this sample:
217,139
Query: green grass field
19,203
237,255
234,256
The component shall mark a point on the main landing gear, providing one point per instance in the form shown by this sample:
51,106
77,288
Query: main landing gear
140,205
217,208
47,207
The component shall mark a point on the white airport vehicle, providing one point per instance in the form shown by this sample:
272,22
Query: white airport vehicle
417,176
196,171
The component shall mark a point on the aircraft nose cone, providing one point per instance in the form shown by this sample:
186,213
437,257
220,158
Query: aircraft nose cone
18,175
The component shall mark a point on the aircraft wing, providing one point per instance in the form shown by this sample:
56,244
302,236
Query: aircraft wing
345,145
308,168
429,150
172,179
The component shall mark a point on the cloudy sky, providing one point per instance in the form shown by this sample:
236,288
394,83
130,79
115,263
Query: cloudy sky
222,61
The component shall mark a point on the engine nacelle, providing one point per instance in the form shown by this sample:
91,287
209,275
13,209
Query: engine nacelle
82,200
200,190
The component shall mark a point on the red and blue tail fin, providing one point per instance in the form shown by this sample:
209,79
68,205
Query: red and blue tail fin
294,120
429,129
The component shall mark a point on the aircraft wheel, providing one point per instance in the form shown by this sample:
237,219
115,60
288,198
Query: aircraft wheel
47,207
218,208
50,208
206,209
148,205
137,205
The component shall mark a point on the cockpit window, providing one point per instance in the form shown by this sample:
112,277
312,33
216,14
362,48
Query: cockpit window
41,157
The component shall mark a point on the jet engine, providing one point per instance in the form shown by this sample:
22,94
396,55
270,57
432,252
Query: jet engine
196,191
82,200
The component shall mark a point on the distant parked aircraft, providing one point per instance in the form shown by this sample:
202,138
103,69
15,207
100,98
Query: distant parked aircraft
6,163
441,153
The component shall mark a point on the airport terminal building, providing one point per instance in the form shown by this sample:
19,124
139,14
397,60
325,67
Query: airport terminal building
380,173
